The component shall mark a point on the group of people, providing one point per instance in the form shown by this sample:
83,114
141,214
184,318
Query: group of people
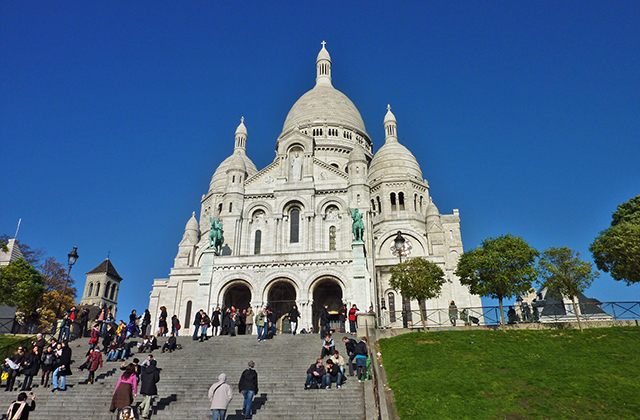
231,321
136,377
220,393
321,376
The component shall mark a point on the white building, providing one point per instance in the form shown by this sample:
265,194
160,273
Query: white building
288,230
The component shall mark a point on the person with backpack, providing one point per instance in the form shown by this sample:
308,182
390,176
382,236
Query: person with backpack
220,395
126,390
248,387
19,409
361,359
149,377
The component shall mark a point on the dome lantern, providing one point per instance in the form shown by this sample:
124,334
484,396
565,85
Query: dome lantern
323,66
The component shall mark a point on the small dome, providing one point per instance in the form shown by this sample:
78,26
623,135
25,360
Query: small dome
393,161
237,163
323,54
192,224
357,154
219,179
389,117
241,128
432,210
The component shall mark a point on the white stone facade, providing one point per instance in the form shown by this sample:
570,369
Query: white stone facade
288,230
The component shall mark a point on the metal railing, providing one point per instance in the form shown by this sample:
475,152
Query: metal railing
513,314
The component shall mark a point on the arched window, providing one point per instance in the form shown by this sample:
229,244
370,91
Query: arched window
113,292
401,200
257,242
294,233
392,307
219,208
373,205
415,202
233,179
106,290
187,315
90,289
230,207
97,289
332,238
379,204
393,202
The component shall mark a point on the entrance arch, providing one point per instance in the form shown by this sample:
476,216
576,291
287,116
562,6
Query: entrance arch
280,299
237,294
327,291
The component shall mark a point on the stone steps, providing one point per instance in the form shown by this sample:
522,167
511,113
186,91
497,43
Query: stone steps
188,373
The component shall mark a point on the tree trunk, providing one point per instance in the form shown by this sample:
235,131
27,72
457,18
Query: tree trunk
575,309
424,325
502,315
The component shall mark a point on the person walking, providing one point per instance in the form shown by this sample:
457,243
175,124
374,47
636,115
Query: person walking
215,322
175,325
149,377
342,317
220,395
204,325
248,387
324,321
94,362
146,322
260,317
196,324
30,366
352,319
294,314
453,313
126,390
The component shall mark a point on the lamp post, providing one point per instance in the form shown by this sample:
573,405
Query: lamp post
399,242
72,257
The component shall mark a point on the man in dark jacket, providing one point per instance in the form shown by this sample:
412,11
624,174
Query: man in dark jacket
324,321
62,370
196,324
170,344
315,373
149,377
22,406
350,344
17,359
83,319
248,387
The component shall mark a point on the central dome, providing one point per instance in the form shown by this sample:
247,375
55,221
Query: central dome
324,104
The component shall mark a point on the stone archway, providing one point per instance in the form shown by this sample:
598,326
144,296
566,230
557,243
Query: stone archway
237,294
280,299
327,290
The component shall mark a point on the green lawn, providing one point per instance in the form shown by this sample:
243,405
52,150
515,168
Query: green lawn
548,374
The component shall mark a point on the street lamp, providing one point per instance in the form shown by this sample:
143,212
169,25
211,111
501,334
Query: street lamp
399,242
72,257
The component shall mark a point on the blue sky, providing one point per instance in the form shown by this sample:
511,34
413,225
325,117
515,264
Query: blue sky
525,116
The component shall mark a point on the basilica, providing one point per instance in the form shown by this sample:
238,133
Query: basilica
284,234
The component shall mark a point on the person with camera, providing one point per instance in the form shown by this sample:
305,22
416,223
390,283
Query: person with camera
19,409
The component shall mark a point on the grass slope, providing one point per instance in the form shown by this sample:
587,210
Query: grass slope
548,374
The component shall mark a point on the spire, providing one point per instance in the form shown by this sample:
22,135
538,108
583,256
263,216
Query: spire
390,125
323,67
241,136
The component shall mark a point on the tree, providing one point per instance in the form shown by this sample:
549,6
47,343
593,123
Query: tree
499,268
565,274
616,250
418,279
55,275
21,285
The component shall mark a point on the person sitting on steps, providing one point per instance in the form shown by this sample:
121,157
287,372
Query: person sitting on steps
170,344
333,375
328,346
315,374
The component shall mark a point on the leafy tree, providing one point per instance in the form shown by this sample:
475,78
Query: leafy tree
616,250
55,275
419,279
565,274
499,268
21,285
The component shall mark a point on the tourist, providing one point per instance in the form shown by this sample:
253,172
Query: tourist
260,317
146,322
149,377
112,352
63,368
342,317
83,321
315,374
361,359
126,389
350,344
204,325
100,320
162,322
30,366
248,387
65,328
121,332
271,323
248,330
220,395
338,360
453,313
132,327
12,366
48,365
233,320
94,362
225,321
328,346
294,314
109,319
196,324
108,337
40,342
242,322
19,409
95,335
149,343
170,344
333,375
352,319
175,325
324,321
215,322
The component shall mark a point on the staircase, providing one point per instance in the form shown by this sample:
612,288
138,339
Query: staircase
188,373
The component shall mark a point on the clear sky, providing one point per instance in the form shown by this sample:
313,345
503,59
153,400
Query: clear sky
114,115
